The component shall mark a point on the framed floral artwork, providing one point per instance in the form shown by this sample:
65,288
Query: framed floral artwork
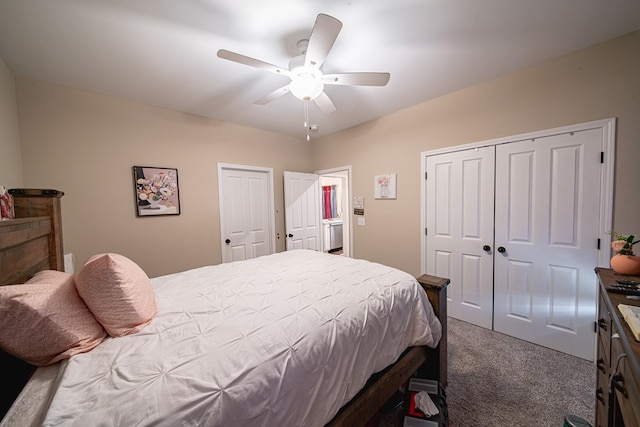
156,191
385,186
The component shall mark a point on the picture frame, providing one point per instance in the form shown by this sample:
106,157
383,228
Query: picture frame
156,191
385,186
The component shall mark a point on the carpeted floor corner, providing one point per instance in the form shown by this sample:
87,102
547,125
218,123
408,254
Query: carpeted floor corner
496,380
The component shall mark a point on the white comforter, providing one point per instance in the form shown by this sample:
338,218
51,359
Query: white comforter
281,340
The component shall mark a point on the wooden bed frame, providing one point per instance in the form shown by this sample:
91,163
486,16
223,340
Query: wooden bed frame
29,243
33,242
423,362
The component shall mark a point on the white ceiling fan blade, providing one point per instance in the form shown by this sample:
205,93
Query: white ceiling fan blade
273,95
252,62
357,79
324,103
323,35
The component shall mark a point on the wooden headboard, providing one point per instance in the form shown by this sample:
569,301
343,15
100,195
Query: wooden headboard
33,240
29,243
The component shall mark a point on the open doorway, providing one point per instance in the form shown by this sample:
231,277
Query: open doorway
335,186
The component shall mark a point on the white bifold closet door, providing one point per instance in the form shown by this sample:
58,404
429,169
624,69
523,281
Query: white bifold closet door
547,207
515,228
459,198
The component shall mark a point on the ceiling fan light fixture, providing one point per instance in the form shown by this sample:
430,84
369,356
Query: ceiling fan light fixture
306,86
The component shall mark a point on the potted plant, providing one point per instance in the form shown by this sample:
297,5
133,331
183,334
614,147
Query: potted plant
624,261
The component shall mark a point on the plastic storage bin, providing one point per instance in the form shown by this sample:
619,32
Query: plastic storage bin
413,416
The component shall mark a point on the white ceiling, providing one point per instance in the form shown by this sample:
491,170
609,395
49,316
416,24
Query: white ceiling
163,52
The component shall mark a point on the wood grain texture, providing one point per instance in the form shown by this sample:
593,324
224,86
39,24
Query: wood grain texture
24,248
30,203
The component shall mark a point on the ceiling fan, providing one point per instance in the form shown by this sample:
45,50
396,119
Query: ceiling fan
305,70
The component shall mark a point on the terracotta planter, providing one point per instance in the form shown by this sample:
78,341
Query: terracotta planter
626,264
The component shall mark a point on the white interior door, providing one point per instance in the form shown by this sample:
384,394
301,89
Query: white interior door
302,211
547,207
459,221
246,212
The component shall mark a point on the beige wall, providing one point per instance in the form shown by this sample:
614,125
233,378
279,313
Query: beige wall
85,145
10,156
597,83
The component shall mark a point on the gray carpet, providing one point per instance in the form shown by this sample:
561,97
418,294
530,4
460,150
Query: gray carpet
496,380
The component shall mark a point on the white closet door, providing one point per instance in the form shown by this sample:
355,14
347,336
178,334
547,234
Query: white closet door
459,219
302,211
546,219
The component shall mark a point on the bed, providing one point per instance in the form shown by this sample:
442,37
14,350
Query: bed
277,340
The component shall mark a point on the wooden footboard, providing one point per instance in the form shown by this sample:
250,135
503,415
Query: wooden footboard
424,362
436,288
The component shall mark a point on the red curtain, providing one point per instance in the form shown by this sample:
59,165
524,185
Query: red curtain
326,198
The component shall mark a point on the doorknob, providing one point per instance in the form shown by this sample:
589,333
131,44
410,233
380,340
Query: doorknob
227,241
486,248
501,250
290,235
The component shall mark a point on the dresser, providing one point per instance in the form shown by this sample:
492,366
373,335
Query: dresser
617,361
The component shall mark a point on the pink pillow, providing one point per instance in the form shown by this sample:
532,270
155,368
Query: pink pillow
45,320
118,292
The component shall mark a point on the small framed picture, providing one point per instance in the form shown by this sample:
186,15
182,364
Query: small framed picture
156,191
385,186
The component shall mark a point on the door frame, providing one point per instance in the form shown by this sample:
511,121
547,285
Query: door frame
608,128
346,217
271,202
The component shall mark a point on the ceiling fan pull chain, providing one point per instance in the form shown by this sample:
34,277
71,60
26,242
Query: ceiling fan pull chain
306,113
306,118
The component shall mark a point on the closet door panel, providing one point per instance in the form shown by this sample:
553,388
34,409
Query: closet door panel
547,204
459,219
565,196
519,296
563,289
472,291
520,182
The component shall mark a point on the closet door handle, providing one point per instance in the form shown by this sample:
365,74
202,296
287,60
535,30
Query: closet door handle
618,383
501,249
486,248
602,324
227,241
290,235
